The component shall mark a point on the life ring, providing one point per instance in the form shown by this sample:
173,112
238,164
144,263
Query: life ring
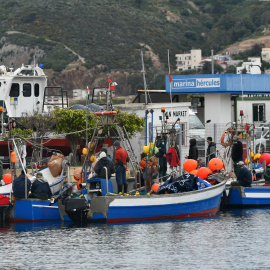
105,113
229,142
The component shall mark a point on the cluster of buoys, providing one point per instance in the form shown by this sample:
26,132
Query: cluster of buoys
252,157
215,164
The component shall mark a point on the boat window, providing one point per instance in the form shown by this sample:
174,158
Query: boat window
15,90
195,122
36,90
27,90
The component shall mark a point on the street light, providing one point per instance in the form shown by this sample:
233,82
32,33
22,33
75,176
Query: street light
111,86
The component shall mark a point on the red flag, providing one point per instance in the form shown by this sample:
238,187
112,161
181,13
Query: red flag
87,90
170,78
108,82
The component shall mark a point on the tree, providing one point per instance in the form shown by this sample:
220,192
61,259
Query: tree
39,125
207,68
73,123
231,70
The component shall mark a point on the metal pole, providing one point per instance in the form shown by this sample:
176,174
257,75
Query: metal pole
146,113
144,81
180,146
152,125
86,115
212,57
25,188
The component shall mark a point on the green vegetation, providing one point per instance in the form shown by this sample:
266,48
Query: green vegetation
113,33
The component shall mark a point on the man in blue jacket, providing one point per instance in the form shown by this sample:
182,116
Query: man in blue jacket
244,177
40,188
18,186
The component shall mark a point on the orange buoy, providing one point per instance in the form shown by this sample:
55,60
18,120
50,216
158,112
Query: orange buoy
215,164
203,172
77,174
13,157
155,187
194,172
7,178
190,165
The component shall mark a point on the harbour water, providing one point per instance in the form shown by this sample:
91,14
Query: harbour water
235,239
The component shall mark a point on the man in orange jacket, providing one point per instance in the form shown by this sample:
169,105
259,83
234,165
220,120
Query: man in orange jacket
121,166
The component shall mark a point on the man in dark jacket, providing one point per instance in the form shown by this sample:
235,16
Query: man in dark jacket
244,177
104,162
193,150
18,186
237,153
211,150
40,188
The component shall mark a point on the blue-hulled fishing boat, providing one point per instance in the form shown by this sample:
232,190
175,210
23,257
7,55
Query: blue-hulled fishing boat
248,197
109,207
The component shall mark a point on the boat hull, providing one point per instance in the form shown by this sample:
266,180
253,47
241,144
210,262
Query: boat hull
248,197
118,209
26,210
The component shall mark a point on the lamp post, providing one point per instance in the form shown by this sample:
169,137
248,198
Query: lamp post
111,86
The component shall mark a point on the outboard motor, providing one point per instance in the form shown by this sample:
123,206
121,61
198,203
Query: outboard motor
77,209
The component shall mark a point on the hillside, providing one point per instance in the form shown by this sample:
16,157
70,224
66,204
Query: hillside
84,42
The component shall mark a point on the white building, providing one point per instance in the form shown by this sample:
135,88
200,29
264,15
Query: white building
188,61
266,54
79,94
252,67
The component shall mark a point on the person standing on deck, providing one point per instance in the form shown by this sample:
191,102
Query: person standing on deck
211,150
121,166
237,154
162,146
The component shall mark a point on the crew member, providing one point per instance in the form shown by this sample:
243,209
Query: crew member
237,153
40,188
211,150
244,177
18,186
121,166
104,162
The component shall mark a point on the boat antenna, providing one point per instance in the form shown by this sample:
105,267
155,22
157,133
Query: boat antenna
144,81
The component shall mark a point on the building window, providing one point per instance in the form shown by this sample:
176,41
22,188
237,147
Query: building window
15,90
258,112
36,91
27,90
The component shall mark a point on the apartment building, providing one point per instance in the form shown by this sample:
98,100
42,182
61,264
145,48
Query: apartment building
189,60
266,54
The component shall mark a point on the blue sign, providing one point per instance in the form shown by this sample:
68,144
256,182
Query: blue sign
219,83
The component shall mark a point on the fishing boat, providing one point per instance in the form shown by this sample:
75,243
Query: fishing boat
108,207
248,197
33,209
